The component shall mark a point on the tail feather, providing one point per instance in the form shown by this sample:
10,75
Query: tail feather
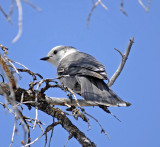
96,90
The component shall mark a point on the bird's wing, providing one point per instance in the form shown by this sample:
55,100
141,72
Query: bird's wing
96,90
83,64
89,74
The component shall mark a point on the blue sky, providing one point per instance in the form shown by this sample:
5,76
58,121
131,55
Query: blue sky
64,23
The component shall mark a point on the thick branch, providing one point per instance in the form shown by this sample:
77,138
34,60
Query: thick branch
63,101
124,59
43,105
55,100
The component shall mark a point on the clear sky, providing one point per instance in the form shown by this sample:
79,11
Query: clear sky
63,22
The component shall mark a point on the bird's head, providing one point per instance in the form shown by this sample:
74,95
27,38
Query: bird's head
58,53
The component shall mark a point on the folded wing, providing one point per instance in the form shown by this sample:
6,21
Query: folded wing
89,75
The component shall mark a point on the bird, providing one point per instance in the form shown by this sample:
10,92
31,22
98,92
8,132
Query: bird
84,75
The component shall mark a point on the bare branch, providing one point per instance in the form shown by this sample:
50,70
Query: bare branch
74,95
14,129
102,129
11,9
31,73
32,5
36,100
33,141
19,64
124,58
54,100
50,110
19,6
119,52
50,138
145,7
94,6
5,14
20,15
121,8
8,72
105,108
77,113
63,101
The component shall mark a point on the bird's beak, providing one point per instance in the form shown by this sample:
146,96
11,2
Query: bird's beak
44,58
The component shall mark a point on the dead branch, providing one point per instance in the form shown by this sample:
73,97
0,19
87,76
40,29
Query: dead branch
50,110
105,108
27,99
20,16
11,9
5,14
14,129
146,8
122,9
64,101
8,72
95,4
32,5
124,59
20,12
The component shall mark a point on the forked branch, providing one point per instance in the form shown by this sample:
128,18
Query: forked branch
124,59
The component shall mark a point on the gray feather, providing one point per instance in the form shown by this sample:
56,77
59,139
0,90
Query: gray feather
85,77
93,89
79,63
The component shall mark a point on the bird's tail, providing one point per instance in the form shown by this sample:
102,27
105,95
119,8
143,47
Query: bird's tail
96,90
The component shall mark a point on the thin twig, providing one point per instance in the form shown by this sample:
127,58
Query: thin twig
33,141
32,5
145,7
102,130
11,9
94,6
6,106
31,73
14,129
77,113
107,110
2,78
19,6
50,127
124,58
13,67
5,14
50,138
36,101
22,96
19,64
36,117
69,137
29,135
119,52
121,8
74,97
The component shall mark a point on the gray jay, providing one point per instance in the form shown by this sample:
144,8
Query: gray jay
83,74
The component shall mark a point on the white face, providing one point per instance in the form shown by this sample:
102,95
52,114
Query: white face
58,53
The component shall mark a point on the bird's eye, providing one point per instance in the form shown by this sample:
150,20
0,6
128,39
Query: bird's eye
55,52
